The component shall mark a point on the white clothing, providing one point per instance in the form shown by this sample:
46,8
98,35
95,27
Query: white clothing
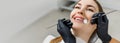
50,37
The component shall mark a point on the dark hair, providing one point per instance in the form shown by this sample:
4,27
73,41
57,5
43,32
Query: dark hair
99,6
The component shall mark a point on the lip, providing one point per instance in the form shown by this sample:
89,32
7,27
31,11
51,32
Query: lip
78,19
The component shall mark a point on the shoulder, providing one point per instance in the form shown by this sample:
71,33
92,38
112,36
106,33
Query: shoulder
48,39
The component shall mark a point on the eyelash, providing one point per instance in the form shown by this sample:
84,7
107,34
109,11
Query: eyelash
90,10
76,7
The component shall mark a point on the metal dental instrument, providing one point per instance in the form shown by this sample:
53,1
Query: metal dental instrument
106,13
92,18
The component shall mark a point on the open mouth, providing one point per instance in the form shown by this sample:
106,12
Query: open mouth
78,19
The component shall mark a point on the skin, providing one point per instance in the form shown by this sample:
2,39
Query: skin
84,9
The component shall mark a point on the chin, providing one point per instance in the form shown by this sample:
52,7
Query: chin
77,26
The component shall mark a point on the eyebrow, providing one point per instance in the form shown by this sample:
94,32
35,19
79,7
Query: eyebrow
88,6
91,6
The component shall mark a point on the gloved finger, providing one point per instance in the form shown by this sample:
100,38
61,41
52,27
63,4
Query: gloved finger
60,23
100,18
95,15
94,19
58,28
65,21
61,20
69,23
105,19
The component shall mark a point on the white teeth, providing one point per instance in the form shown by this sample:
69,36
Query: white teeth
85,21
77,18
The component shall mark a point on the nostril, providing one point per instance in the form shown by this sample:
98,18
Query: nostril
80,13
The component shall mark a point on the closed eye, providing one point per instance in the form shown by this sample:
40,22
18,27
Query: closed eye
90,10
76,7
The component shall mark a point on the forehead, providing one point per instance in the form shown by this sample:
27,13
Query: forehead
89,2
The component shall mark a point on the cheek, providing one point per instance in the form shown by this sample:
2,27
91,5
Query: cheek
72,13
77,26
89,15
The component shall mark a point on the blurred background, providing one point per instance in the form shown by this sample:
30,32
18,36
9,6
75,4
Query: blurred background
30,21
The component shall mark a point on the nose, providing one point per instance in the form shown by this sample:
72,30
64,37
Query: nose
81,11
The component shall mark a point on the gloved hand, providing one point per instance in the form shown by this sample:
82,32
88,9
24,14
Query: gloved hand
102,27
63,28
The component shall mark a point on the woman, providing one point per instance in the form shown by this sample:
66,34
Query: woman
83,25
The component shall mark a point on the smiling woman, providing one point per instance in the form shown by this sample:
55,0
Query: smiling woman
83,10
82,32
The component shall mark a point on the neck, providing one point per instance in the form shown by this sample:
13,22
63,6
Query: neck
85,35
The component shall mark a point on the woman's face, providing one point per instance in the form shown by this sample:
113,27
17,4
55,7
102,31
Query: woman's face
84,9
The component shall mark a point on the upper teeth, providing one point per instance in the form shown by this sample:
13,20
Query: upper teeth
77,18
